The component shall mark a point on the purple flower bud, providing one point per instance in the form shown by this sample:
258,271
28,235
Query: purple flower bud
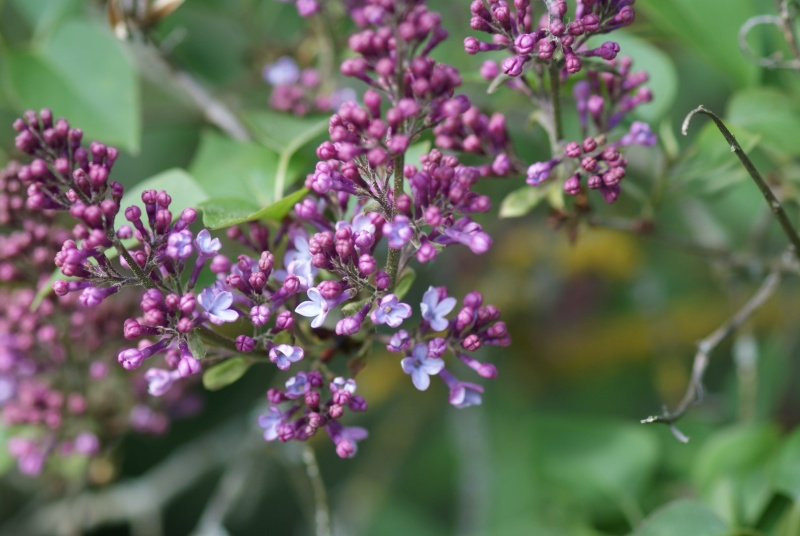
572,186
382,280
130,359
284,321
513,66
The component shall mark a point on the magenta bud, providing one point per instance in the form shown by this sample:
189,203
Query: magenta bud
382,280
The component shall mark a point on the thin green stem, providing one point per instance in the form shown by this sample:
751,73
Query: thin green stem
393,259
773,202
143,278
221,341
555,102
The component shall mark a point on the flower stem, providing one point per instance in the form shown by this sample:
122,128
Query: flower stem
555,103
393,258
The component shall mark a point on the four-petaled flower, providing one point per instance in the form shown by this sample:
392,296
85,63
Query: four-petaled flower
434,309
421,367
179,245
217,305
159,380
465,394
206,246
270,422
398,232
297,386
390,311
284,355
317,306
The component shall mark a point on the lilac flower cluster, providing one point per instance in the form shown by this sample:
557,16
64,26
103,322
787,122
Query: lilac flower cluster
301,92
551,46
58,397
549,39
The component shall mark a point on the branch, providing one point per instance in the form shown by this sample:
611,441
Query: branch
772,201
694,393
133,500
322,514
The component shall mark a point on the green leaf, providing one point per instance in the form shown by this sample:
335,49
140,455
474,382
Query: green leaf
286,134
44,15
770,114
688,21
352,308
787,470
182,187
734,468
6,461
99,93
196,345
521,201
416,151
224,212
225,373
683,517
404,283
226,168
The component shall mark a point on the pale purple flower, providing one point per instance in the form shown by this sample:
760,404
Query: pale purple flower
639,134
398,232
7,388
317,306
179,245
298,263
421,367
434,309
341,384
283,355
399,342
205,245
390,311
281,73
217,305
462,394
297,386
159,381
346,438
270,422
87,444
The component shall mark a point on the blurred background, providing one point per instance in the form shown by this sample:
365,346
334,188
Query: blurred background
604,321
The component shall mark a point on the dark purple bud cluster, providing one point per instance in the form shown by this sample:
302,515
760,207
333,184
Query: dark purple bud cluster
549,37
306,411
58,398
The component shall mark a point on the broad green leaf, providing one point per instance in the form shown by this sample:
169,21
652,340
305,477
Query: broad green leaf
44,15
286,134
521,201
280,131
99,93
182,187
224,212
688,21
227,168
225,373
594,460
683,517
787,470
770,114
416,151
733,471
404,283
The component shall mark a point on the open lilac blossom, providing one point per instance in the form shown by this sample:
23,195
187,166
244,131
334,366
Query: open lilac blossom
421,367
317,306
434,308
205,245
297,385
390,311
281,73
283,355
179,245
462,394
270,422
217,305
399,232
346,438
159,381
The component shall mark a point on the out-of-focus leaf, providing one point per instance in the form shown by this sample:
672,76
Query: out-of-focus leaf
521,201
416,151
688,21
227,168
596,460
770,114
182,187
276,211
683,517
225,373
6,461
733,470
404,283
787,470
44,15
99,93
